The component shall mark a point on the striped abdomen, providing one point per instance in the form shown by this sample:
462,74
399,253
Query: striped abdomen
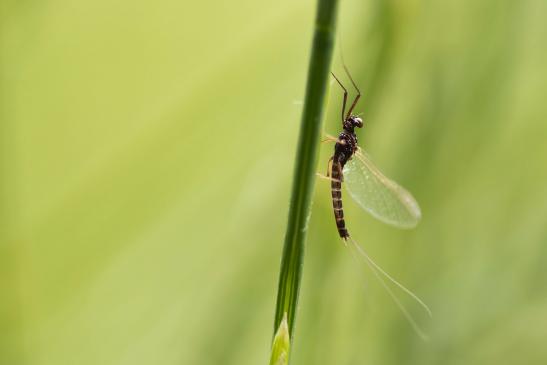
336,190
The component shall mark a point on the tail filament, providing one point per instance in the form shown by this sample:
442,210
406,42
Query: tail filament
377,270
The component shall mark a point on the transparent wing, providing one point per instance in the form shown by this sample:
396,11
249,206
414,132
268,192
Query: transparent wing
378,195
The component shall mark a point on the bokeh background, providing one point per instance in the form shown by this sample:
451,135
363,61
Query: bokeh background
146,162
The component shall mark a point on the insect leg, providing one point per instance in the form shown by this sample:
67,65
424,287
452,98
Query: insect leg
326,177
329,138
358,93
345,97
329,165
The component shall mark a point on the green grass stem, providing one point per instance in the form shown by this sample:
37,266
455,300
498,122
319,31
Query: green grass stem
306,162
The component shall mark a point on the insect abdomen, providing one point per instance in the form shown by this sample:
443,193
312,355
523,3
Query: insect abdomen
336,190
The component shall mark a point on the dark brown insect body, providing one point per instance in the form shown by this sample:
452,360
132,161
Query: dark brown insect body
345,148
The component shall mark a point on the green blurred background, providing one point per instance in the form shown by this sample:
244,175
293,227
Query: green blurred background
146,162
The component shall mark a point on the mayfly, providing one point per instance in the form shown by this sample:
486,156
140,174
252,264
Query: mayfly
373,191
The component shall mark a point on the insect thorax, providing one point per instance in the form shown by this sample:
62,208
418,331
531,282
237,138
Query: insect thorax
345,147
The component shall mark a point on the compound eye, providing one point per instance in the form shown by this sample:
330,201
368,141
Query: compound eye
358,122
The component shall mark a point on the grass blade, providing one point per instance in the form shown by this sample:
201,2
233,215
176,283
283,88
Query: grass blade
306,161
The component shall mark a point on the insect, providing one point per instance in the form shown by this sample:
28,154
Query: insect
373,191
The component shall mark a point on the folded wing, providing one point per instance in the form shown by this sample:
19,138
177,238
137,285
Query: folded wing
378,195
